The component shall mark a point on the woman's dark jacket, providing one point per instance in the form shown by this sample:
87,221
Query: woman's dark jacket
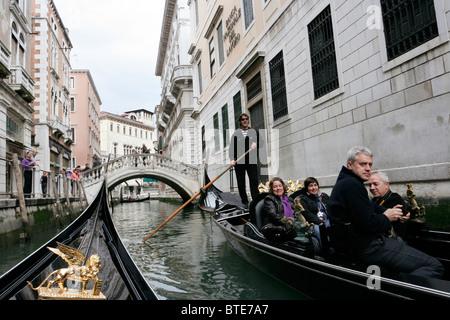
309,203
355,221
274,211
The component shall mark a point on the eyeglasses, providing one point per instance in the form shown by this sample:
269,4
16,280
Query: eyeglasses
244,119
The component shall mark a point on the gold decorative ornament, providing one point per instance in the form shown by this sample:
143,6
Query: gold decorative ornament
264,188
415,210
75,272
292,186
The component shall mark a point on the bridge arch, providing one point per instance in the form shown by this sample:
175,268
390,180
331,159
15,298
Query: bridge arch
180,188
183,178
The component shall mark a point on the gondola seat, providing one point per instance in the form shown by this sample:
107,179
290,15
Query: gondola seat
256,210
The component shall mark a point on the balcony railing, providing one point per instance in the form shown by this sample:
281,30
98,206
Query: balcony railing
181,79
59,129
22,83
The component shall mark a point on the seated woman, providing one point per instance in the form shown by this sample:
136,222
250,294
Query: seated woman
278,216
315,204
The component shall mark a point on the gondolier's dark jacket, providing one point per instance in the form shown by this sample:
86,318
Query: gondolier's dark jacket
240,145
355,221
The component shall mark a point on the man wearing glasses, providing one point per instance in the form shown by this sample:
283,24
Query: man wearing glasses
242,140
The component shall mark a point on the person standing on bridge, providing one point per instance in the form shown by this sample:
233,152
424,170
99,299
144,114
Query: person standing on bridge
27,165
242,140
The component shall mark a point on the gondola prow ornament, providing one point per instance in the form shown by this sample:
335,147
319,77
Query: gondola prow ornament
75,272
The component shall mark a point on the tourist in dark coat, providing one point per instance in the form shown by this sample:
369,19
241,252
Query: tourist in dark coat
314,202
358,231
384,197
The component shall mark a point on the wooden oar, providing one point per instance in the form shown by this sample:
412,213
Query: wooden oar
195,196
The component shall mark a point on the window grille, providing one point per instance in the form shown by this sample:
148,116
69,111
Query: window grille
323,54
254,87
278,83
225,129
408,24
237,109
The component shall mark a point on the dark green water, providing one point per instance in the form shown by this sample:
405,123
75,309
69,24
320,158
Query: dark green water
187,259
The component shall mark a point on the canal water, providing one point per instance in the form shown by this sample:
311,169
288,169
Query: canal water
187,259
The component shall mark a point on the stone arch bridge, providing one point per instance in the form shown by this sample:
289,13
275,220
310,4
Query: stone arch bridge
183,178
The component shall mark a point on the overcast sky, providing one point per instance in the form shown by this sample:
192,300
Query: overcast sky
117,40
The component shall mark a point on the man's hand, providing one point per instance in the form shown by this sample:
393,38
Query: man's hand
253,146
232,163
395,213
405,218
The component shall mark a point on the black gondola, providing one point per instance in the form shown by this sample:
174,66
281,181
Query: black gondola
322,277
125,200
93,232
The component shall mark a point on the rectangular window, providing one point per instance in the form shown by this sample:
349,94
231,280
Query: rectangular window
196,12
254,87
220,42
408,24
200,82
248,13
225,126
278,85
237,109
212,58
216,132
13,129
323,54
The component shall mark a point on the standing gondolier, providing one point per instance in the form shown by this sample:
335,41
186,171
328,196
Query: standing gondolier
242,140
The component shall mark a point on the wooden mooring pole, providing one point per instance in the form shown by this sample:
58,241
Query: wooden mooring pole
56,193
23,207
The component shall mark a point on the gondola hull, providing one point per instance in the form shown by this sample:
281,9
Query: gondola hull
124,200
93,232
319,279
331,277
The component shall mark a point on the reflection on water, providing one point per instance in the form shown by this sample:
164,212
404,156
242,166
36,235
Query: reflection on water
189,258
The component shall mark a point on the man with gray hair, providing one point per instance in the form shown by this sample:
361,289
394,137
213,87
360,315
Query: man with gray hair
383,196
358,227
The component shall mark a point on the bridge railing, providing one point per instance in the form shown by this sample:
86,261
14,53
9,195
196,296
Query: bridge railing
143,161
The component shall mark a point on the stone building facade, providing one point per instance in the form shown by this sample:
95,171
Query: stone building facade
323,76
127,133
51,48
176,127
85,105
16,87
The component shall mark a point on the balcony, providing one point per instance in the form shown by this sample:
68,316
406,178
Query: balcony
22,83
181,79
4,61
60,129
